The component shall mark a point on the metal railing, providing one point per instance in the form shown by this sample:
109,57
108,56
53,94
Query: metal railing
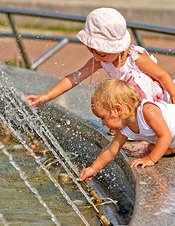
63,40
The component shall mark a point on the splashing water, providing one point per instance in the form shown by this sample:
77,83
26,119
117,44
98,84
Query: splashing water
18,114
3,220
34,190
26,118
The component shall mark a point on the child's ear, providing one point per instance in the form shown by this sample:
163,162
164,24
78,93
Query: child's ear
118,109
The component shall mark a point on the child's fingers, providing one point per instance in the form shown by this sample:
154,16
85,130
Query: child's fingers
86,174
35,101
32,103
86,178
82,174
138,162
89,178
133,163
30,97
142,162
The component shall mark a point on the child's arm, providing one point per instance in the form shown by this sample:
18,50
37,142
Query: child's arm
65,84
153,117
150,68
106,156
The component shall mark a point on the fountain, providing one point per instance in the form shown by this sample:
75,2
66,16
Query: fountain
72,138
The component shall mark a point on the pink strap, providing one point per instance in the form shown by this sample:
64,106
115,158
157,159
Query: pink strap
137,88
158,97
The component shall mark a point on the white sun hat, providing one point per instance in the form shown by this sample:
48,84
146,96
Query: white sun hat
105,30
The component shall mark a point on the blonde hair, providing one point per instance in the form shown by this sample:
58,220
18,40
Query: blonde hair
114,91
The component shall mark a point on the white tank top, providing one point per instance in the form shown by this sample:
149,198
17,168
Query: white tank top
145,132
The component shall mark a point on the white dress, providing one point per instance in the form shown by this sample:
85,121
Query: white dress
129,72
145,132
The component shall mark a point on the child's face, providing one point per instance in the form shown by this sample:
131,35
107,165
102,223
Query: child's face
111,119
105,57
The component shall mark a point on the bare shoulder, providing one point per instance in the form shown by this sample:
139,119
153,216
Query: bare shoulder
150,107
143,57
150,111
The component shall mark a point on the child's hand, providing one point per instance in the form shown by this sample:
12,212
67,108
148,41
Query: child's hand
36,100
87,173
146,161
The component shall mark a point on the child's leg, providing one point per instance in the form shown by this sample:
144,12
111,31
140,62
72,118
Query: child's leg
136,149
168,152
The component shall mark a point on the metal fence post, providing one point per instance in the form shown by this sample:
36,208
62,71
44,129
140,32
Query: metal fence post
18,41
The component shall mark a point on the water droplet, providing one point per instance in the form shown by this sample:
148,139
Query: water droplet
68,122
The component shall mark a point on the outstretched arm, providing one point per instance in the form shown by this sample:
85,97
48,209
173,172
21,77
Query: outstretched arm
65,84
153,117
150,68
106,156
36,100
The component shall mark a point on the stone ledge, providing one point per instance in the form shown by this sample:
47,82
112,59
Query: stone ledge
155,194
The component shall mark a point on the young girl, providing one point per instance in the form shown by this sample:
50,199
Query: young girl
120,108
106,36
